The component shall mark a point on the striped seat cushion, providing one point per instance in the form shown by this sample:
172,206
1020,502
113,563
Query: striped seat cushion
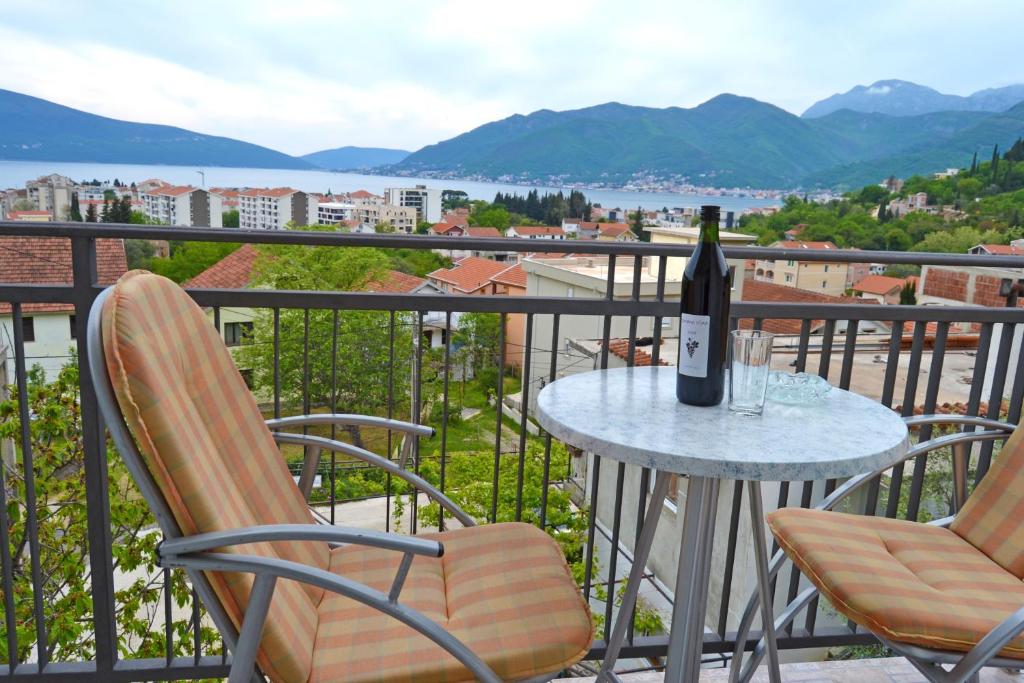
503,589
992,520
908,582
204,442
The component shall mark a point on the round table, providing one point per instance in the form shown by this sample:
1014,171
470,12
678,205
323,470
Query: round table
631,415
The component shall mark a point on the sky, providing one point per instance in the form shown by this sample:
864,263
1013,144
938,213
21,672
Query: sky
304,75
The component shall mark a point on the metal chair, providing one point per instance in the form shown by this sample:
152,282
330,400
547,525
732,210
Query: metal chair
966,533
270,577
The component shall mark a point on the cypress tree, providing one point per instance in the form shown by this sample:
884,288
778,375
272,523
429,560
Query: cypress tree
995,162
90,214
105,215
974,162
76,210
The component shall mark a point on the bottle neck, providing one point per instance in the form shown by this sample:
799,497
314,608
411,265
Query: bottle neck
709,232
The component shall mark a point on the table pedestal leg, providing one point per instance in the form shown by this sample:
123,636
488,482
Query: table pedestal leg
686,639
636,574
763,584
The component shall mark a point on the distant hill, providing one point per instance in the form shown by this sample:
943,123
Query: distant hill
727,141
903,98
39,130
355,158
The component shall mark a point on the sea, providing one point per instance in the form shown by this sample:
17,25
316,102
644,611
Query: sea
13,174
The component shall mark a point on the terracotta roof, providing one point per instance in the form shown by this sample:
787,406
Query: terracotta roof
234,271
172,190
397,282
641,359
16,214
538,230
514,276
483,232
268,192
613,229
454,219
362,194
47,261
770,292
445,228
1002,249
469,274
800,244
878,284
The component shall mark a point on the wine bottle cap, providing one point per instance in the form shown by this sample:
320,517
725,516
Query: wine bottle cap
709,212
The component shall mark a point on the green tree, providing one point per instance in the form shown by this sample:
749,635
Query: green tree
90,214
908,295
383,228
479,334
638,225
139,254
55,433
490,215
423,227
105,215
454,199
188,259
229,219
76,211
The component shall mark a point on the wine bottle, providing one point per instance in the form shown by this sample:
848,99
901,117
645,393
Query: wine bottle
704,318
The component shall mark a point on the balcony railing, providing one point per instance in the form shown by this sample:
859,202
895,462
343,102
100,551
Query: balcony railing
913,354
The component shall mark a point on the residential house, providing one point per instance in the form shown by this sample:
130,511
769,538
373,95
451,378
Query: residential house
902,206
823,277
364,197
512,282
49,329
1015,248
615,232
536,232
425,200
470,275
274,208
182,205
32,216
52,193
335,213
880,288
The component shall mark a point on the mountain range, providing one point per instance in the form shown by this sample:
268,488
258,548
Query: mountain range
903,98
355,158
727,141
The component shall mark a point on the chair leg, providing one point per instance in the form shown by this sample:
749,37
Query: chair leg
243,664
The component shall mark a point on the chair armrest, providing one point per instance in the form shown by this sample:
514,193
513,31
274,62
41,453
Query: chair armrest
344,419
383,463
967,420
388,604
989,646
299,532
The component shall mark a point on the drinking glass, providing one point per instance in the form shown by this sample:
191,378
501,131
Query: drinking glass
748,374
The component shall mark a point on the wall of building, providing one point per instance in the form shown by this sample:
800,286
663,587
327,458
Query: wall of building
51,349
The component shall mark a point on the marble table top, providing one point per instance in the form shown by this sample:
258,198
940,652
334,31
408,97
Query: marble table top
632,415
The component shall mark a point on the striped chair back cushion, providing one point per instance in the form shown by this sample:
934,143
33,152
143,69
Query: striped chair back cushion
992,520
206,446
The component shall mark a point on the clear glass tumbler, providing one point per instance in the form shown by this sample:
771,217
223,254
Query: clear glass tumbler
748,373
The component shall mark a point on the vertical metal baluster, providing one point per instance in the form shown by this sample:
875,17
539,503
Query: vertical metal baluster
31,520
1017,396
849,349
660,297
909,397
305,380
980,365
216,321
794,576
391,414
930,398
758,324
635,296
546,480
782,502
524,402
498,421
417,408
825,360
444,413
892,363
277,362
334,408
613,553
730,556
197,640
803,345
995,397
6,565
168,618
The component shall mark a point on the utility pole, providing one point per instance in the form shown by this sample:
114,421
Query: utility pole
203,174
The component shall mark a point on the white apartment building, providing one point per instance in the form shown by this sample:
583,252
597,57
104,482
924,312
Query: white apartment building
401,218
273,208
426,201
333,213
51,193
182,205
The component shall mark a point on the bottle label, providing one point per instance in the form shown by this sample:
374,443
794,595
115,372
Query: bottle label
693,345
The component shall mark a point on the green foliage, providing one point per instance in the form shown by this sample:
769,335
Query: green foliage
490,215
229,219
75,213
549,209
139,254
958,240
908,295
479,335
454,199
418,262
116,209
383,228
90,214
188,259
423,227
58,462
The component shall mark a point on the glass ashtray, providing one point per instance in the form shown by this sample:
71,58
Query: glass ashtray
797,388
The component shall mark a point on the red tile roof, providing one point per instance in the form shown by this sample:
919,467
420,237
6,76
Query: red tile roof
16,214
47,261
538,230
234,271
641,359
514,276
397,282
483,232
268,192
878,284
1002,249
770,292
469,274
445,228
613,229
172,190
362,194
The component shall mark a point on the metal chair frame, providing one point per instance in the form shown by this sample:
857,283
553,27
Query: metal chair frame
965,665
195,555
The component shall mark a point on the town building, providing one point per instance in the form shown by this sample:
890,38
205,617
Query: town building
182,205
615,232
32,216
536,232
49,329
818,276
274,208
52,193
675,265
880,288
399,218
470,275
425,200
1014,248
902,206
335,213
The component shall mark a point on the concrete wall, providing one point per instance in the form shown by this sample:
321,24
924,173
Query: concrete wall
52,348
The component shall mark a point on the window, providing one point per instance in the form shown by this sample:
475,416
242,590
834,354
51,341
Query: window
569,292
28,329
71,320
826,267
789,263
789,278
237,333
824,284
